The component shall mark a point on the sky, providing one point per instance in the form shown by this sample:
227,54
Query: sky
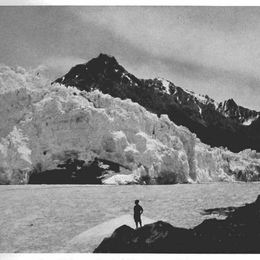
210,50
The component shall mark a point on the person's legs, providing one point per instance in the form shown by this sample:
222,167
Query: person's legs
140,221
136,224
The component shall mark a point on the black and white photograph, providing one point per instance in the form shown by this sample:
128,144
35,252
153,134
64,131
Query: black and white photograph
129,129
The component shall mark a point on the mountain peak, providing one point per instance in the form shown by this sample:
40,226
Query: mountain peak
231,102
103,68
106,58
230,109
102,62
228,105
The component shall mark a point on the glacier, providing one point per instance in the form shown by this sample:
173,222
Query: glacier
42,126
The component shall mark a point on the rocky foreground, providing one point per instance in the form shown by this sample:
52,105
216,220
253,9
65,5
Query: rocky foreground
57,134
238,233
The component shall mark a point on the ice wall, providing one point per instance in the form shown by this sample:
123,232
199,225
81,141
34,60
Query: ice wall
42,126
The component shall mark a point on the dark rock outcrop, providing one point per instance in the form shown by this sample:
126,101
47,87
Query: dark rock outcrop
238,233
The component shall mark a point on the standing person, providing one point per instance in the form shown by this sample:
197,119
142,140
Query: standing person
138,210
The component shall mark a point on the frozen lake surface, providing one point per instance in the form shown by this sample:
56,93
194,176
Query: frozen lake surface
43,218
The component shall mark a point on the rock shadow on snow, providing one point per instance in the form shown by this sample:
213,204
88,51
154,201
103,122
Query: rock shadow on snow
75,171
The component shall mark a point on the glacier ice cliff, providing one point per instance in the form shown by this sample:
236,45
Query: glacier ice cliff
44,126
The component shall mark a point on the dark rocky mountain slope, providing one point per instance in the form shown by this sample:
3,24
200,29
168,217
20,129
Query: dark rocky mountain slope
225,124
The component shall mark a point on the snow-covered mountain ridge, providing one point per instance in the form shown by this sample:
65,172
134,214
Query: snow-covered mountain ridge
228,108
53,130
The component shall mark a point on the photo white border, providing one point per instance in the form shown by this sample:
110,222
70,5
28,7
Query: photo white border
133,2
78,256
91,256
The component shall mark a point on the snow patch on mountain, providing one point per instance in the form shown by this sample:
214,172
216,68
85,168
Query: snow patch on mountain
166,85
249,121
124,75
